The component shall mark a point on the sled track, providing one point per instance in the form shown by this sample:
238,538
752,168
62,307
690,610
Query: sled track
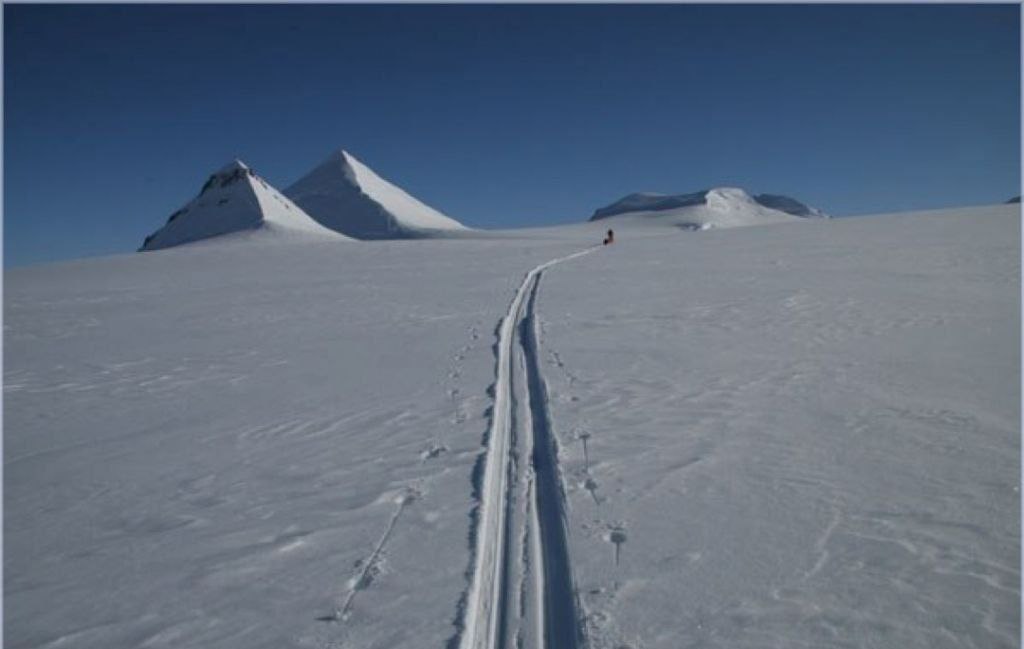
521,593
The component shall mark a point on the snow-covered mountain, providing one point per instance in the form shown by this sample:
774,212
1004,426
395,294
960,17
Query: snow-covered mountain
234,200
345,195
721,207
790,205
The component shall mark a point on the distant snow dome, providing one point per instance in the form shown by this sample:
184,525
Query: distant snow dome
236,200
649,202
346,196
789,205
720,207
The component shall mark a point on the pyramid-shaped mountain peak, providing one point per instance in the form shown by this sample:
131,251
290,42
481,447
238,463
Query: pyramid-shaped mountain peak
234,199
339,162
345,195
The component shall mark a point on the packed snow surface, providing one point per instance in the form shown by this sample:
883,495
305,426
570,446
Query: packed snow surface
345,195
713,208
235,200
804,435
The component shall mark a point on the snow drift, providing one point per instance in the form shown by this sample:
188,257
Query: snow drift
721,207
345,195
234,200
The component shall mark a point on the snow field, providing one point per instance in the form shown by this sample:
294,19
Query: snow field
802,435
205,444
798,435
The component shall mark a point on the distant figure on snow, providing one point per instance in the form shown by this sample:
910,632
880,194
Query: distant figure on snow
610,238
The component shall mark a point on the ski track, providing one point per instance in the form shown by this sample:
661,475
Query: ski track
493,588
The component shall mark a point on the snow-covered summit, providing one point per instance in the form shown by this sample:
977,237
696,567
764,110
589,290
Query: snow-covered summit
234,199
345,195
648,202
711,208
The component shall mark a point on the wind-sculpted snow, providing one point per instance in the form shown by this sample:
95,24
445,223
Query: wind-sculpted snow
800,436
794,436
206,447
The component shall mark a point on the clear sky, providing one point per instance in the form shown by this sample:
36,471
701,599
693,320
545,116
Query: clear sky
501,116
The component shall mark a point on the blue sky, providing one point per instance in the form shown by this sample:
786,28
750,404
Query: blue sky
501,116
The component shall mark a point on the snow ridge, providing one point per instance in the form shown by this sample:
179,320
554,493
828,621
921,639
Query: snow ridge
233,200
345,195
486,623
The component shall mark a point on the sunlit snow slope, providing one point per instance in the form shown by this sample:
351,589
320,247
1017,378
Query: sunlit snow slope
347,196
235,200
804,435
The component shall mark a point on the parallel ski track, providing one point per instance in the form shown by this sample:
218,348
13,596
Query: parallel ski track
559,623
491,588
